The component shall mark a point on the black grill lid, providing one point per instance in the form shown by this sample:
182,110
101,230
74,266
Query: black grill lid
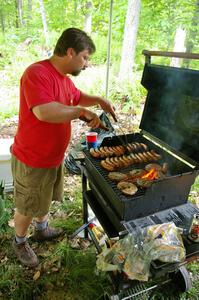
171,111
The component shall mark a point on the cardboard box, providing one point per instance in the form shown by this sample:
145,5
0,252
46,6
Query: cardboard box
5,163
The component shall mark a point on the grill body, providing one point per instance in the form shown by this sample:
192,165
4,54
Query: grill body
170,126
169,192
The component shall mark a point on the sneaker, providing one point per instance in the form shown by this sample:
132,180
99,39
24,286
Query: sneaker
46,234
25,254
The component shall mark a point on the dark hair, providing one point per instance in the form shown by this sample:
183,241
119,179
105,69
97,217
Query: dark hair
76,39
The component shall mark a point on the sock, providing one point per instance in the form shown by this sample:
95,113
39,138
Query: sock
20,239
41,225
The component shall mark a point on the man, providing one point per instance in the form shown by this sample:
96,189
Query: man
49,101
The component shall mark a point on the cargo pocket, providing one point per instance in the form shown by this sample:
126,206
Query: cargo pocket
26,200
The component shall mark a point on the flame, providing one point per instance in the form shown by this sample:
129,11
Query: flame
151,175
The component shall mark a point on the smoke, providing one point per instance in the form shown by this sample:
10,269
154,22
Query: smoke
171,111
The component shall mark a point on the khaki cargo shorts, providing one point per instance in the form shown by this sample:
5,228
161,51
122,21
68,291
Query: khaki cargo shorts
35,188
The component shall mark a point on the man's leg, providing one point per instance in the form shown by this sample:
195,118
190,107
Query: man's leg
22,224
43,232
55,192
20,245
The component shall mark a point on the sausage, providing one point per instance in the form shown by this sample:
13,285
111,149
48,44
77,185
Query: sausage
107,166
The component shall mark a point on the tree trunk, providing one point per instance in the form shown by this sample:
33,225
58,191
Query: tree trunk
29,9
2,21
43,15
88,17
179,46
75,13
17,15
129,40
19,8
193,34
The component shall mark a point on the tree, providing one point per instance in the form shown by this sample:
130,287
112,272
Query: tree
179,46
19,21
193,33
43,15
30,9
129,40
2,20
88,17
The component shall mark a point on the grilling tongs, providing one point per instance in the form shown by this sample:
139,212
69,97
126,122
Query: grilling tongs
102,126
125,141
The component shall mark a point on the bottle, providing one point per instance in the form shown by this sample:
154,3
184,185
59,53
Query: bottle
96,231
194,229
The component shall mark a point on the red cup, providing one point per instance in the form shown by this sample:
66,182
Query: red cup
91,139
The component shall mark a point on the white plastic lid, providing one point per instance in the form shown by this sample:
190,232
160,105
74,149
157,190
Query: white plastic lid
5,148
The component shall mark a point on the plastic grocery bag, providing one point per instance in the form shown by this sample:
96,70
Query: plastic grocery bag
167,243
133,254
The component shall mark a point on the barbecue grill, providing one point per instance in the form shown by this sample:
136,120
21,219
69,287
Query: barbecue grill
170,127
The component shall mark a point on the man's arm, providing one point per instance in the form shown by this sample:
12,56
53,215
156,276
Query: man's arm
54,112
87,100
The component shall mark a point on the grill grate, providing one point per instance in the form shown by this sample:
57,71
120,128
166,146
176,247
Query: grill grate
112,184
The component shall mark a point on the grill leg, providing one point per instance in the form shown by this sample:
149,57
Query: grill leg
85,205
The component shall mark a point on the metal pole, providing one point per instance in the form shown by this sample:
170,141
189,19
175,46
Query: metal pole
109,47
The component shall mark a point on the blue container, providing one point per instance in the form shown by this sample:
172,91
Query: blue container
91,145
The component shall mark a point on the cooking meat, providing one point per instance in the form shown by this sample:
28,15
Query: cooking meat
165,168
153,166
106,151
94,153
144,183
143,158
158,156
139,159
127,160
144,146
107,166
137,173
117,176
102,152
127,188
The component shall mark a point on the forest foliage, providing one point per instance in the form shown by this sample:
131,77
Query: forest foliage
29,30
158,23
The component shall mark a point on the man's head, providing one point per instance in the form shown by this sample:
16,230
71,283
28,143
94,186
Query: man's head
76,46
76,39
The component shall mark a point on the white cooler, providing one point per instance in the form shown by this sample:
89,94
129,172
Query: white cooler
5,164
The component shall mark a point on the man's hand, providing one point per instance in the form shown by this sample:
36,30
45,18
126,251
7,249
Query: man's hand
87,100
90,117
108,107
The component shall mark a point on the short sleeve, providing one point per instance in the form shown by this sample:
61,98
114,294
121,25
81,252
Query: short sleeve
36,86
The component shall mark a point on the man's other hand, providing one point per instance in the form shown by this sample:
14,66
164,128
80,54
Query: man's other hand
108,107
90,117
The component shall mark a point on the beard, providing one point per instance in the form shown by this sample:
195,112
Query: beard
76,73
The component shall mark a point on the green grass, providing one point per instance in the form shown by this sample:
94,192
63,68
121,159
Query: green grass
65,273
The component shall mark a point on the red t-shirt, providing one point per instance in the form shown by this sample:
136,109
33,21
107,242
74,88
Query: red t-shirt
41,144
